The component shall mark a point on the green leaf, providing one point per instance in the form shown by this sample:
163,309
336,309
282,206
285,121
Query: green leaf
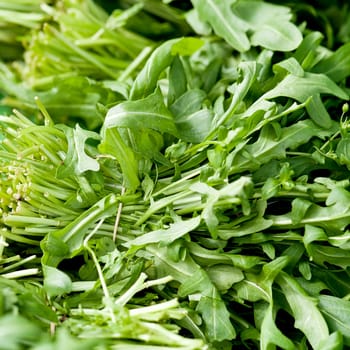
211,306
216,317
224,276
258,287
161,58
333,342
300,206
271,145
318,112
192,122
307,49
188,103
308,317
113,144
16,331
56,282
343,151
177,81
147,113
247,228
166,236
195,127
225,23
312,234
181,270
271,25
270,335
325,255
337,65
301,88
248,73
334,216
71,237
76,160
337,313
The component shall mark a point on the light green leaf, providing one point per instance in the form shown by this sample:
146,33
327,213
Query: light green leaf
337,65
337,314
224,22
334,216
301,88
56,282
147,113
195,127
283,37
161,58
70,238
247,228
305,53
188,103
271,25
312,234
331,255
259,286
177,81
224,276
112,144
77,161
216,317
271,145
168,235
308,317
270,335
318,112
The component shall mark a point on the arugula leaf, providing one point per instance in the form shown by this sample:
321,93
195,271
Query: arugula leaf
210,305
162,57
233,19
68,242
166,236
113,144
270,334
56,282
271,25
312,323
147,113
301,88
336,312
333,216
76,160
216,317
220,16
336,65
196,193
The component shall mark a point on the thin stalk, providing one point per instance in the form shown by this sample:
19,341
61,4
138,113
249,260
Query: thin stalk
117,217
99,270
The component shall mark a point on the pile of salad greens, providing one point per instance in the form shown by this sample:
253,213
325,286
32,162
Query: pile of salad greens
174,175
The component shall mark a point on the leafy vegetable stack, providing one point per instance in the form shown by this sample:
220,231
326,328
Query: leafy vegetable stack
182,181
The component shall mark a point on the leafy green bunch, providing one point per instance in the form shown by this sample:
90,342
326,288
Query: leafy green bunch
79,58
18,18
210,210
54,187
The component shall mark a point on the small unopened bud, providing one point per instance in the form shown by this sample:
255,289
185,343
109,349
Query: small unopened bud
345,108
